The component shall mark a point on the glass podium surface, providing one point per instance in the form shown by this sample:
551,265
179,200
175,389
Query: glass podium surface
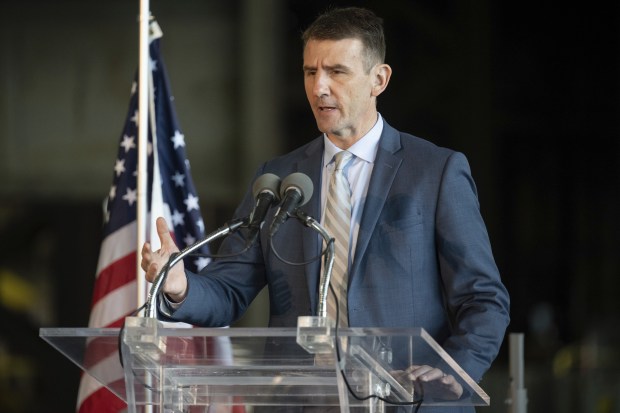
163,368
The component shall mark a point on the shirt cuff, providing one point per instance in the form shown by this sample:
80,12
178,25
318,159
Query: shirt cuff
167,307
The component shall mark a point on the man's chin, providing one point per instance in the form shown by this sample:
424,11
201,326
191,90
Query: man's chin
328,128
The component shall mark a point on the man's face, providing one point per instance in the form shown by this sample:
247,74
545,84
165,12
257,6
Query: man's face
339,89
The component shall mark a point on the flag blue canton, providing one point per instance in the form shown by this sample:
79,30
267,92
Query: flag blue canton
178,190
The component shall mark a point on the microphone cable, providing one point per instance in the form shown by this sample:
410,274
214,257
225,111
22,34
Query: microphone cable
416,403
282,259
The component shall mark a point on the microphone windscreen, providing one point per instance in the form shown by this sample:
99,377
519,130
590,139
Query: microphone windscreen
267,182
300,181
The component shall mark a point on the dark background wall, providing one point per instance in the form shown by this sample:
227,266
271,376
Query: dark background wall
529,92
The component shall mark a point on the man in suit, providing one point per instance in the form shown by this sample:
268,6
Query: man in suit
419,253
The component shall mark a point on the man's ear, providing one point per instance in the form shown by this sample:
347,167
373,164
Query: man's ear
381,78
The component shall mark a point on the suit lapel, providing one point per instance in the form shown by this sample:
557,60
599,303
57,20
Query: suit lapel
383,174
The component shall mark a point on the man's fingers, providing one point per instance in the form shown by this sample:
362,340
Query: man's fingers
447,379
146,256
151,271
433,374
425,373
435,381
415,372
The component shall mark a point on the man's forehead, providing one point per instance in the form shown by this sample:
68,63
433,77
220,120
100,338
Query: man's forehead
334,43
332,52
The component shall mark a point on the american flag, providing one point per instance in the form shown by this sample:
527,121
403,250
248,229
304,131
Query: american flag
171,193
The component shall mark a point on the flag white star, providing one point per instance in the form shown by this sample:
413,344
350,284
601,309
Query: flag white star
149,148
112,193
134,87
134,118
179,179
106,216
128,142
119,167
152,64
201,262
178,139
177,218
189,240
200,224
131,196
191,202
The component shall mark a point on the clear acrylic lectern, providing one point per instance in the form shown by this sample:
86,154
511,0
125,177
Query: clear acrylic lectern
162,368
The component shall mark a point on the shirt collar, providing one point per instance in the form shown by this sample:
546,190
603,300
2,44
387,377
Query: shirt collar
365,148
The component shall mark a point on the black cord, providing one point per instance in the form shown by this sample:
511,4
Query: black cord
234,254
248,245
318,257
416,403
120,333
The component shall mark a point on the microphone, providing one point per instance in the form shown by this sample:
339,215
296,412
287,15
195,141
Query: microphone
295,190
265,191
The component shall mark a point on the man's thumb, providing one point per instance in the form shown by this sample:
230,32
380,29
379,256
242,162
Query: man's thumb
164,235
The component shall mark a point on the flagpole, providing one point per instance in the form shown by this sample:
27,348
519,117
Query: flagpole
142,171
144,86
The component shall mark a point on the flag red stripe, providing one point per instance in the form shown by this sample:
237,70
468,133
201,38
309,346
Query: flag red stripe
102,401
114,276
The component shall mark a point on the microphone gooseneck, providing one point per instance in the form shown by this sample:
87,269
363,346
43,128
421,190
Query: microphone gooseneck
328,262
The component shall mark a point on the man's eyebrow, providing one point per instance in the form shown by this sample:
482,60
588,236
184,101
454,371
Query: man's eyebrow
337,67
330,67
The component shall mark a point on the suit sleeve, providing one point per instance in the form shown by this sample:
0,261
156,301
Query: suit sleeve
476,298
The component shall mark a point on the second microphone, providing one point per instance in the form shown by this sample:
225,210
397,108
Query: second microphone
295,190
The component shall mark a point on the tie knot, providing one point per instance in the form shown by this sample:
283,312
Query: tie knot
342,158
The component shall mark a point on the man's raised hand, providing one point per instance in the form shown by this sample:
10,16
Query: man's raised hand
153,261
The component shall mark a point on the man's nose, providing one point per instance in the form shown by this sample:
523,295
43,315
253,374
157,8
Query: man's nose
321,84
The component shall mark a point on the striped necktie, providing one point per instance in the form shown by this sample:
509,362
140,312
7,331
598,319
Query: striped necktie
338,224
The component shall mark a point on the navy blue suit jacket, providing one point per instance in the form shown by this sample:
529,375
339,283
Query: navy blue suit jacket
423,256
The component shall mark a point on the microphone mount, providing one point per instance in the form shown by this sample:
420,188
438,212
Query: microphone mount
328,261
